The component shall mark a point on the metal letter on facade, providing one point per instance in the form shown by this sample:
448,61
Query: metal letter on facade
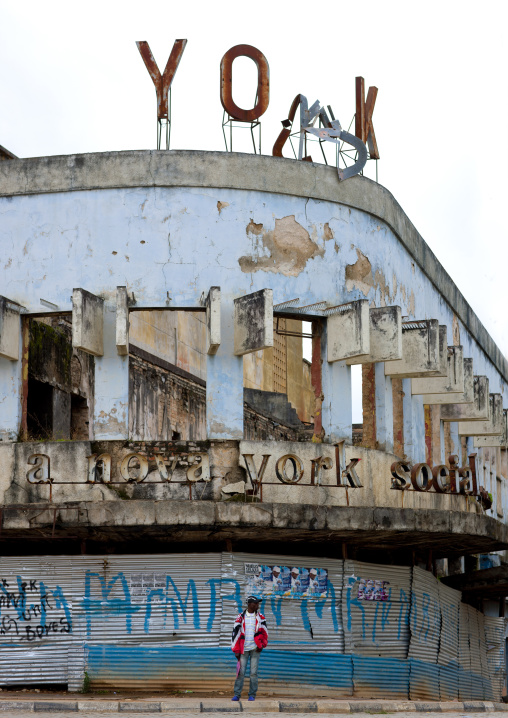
306,117
364,129
40,473
162,82
255,476
280,469
226,83
142,470
333,132
99,467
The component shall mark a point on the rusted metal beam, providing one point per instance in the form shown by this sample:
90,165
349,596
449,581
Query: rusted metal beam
226,83
162,82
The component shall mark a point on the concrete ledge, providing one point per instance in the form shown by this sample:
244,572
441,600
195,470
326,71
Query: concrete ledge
12,706
139,707
332,706
55,706
447,533
98,706
178,706
233,170
298,707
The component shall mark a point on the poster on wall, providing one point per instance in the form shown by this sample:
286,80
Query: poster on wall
372,590
286,581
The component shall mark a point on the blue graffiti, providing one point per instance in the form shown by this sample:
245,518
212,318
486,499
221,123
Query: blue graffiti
112,606
319,605
169,600
235,596
383,612
404,606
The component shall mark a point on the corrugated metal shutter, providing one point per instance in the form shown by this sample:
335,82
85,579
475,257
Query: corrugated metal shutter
473,676
465,685
377,629
305,635
380,677
303,624
495,639
448,655
150,621
484,664
36,609
425,624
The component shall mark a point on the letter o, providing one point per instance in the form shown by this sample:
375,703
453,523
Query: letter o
143,467
226,83
421,477
280,469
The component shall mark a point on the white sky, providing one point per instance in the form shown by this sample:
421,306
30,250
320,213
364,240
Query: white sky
72,80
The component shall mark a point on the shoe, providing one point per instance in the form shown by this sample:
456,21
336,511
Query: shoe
252,698
236,698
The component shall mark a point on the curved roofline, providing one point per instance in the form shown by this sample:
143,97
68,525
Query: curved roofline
262,173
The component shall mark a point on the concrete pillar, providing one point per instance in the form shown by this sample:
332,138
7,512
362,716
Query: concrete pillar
11,381
455,445
442,450
414,424
224,382
369,406
337,406
10,399
337,403
398,417
384,408
111,406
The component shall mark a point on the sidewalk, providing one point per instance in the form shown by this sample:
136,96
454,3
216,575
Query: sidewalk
262,705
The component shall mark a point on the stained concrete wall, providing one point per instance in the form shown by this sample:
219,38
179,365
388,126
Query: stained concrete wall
176,337
171,225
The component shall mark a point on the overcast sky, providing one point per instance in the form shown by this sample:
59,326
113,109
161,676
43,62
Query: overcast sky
72,80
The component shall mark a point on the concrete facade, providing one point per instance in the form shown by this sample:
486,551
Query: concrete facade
186,279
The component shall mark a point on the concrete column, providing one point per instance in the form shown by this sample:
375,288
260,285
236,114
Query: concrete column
369,406
337,407
111,405
414,424
11,385
398,417
384,408
224,383
442,450
452,439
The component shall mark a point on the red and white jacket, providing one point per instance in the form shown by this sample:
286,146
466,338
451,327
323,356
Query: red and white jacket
238,636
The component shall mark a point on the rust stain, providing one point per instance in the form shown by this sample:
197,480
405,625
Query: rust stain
428,433
359,275
455,331
328,231
316,381
384,288
222,205
289,248
369,406
412,303
253,228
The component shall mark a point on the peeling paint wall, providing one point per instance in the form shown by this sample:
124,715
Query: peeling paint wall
175,243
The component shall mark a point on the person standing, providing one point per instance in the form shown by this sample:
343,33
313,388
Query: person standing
250,636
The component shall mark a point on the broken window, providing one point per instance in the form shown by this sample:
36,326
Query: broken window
167,375
59,391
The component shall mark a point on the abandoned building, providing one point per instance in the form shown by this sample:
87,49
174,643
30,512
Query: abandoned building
167,446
